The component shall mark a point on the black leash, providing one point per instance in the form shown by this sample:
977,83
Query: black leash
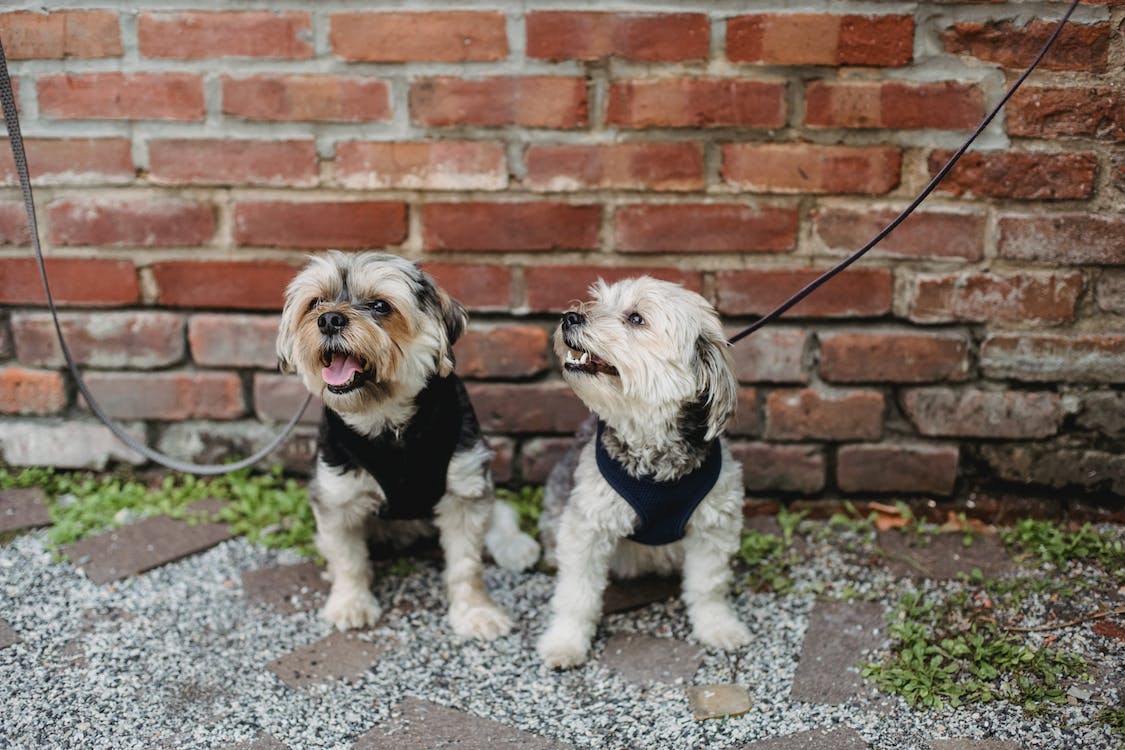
815,284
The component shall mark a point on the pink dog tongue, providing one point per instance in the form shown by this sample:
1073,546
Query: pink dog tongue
341,369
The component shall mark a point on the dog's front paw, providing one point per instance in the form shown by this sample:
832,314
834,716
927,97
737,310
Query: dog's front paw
563,648
481,623
516,552
725,632
352,609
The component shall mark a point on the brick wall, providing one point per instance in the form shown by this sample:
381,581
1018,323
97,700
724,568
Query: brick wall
187,159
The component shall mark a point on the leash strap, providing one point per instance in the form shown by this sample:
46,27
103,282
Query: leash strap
15,139
823,278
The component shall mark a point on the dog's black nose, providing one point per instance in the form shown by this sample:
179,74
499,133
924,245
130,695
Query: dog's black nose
331,322
573,319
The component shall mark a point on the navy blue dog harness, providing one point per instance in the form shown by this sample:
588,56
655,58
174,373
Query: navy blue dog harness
663,508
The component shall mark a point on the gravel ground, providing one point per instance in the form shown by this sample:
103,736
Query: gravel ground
176,658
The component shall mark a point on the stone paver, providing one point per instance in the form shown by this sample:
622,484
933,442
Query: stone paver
944,556
838,635
339,656
716,701
146,544
644,658
971,744
421,724
622,596
23,509
287,589
8,635
843,738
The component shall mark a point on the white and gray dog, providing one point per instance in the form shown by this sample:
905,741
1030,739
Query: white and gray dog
399,451
655,488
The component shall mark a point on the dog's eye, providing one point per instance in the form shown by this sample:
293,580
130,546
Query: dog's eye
635,319
314,303
379,307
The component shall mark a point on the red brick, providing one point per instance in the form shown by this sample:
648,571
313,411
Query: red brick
552,289
233,162
697,103
1048,358
320,225
1079,46
902,467
745,421
238,285
121,96
1063,238
53,161
449,36
503,458
1110,292
478,287
168,395
617,166
151,222
944,412
809,414
319,98
539,455
233,340
510,226
1020,175
1079,111
24,391
13,224
502,351
874,357
88,282
199,35
857,292
531,101
772,355
994,297
136,339
277,397
821,39
924,234
60,34
663,37
781,468
893,104
549,407
808,168
431,165
705,228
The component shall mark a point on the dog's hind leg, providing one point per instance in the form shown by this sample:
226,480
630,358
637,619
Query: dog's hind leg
510,548
707,576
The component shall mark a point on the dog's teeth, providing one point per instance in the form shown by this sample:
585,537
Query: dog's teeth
585,358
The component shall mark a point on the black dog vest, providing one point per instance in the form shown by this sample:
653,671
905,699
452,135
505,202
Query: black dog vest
663,508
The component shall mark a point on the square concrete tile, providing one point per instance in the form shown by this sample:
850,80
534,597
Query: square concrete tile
339,656
944,556
643,658
844,738
717,701
23,509
421,724
622,596
287,588
838,635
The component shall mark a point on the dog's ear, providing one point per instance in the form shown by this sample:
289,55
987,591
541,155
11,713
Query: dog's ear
454,320
718,389
286,337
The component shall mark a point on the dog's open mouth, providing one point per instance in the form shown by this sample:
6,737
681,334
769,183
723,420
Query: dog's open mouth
342,371
579,361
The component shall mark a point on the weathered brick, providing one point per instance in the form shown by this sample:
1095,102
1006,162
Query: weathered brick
773,354
277,397
1077,111
351,225
135,339
856,292
821,39
436,165
971,412
503,458
24,391
809,168
746,421
502,351
151,222
121,96
448,36
477,286
217,442
810,414
1063,238
168,395
663,37
504,227
897,467
195,35
13,224
60,34
539,455
1033,357
781,468
69,161
893,356
1078,47
238,285
531,101
1110,291
1104,412
233,162
549,407
65,445
893,104
696,103
924,234
320,98
993,297
233,340
89,282
553,289
1019,175
705,228
618,166
1057,466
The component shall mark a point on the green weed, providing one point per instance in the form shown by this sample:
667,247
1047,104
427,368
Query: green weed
1052,543
528,503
